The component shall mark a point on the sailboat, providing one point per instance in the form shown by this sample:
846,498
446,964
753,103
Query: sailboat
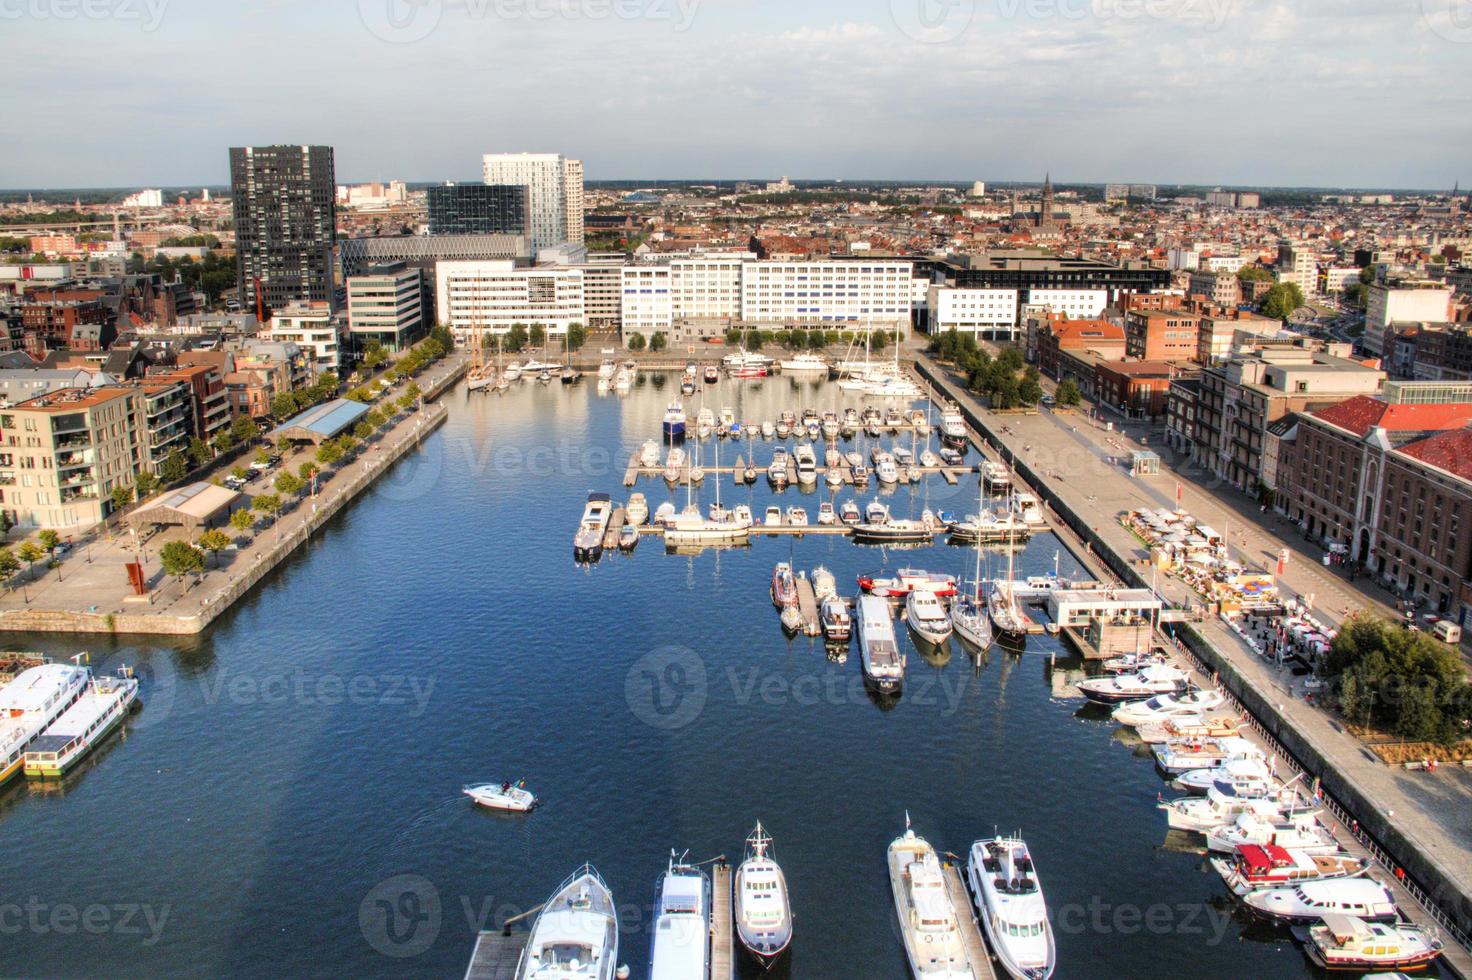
969,615
478,376
1007,615
693,528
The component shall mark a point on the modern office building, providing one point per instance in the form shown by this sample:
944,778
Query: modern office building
989,313
495,296
386,304
313,327
477,209
845,294
1082,288
554,193
285,208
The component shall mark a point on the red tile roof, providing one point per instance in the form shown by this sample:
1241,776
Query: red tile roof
1362,413
1071,333
1450,451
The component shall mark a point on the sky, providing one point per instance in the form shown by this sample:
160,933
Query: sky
1355,93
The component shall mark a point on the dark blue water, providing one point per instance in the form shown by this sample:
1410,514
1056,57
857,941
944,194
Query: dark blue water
296,770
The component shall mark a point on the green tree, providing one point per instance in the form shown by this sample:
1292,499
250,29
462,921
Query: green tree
242,520
1068,393
659,341
224,441
329,453
244,428
121,497
30,554
306,471
288,484
174,468
48,539
577,336
9,565
284,406
214,541
753,339
268,504
537,335
199,451
1281,300
1029,392
879,341
180,558
516,338
1254,273
363,430
733,337
146,484
637,342
375,418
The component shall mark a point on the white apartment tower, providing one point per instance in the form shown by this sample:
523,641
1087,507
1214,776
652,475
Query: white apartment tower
554,193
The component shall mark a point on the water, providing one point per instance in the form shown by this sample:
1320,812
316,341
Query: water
301,761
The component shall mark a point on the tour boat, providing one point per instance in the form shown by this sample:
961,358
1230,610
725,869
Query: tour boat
784,586
763,910
587,544
1005,886
674,421
1183,755
100,709
575,935
834,616
513,797
848,512
803,363
1253,867
28,706
1309,901
884,665
827,516
1301,832
1157,709
680,948
930,923
1152,680
807,465
926,617
637,509
1349,943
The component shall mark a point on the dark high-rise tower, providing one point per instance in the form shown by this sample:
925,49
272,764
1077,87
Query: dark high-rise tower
478,209
285,204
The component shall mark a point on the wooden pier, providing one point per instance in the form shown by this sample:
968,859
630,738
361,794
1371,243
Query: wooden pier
496,955
807,605
615,526
976,954
722,939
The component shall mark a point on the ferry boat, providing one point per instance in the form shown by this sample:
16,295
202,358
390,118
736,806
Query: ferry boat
803,363
508,796
763,910
1349,943
1309,901
28,706
1005,886
587,544
930,923
575,935
674,421
1152,680
100,709
1163,706
884,666
1253,867
680,949
926,617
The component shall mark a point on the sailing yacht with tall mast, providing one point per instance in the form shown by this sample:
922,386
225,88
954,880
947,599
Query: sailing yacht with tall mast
969,615
1011,622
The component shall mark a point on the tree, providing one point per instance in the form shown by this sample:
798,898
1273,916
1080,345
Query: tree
244,428
9,565
288,484
268,504
636,342
1068,393
242,520
121,497
199,451
537,335
48,539
516,338
1029,392
1281,300
306,471
180,558
329,453
147,485
214,541
753,339
1254,273
30,554
375,418
577,336
284,406
174,468
817,339
658,342
363,430
733,337
879,341
224,441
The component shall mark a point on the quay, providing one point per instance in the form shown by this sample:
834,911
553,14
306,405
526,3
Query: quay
976,954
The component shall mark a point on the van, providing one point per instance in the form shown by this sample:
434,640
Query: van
1447,632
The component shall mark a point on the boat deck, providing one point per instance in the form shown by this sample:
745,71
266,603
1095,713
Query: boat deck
976,954
496,955
722,930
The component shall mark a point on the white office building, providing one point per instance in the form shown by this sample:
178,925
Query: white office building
153,198
1403,301
647,304
554,193
1079,304
386,304
494,296
312,327
987,312
839,294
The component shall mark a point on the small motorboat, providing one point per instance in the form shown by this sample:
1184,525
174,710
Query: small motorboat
876,513
1188,726
797,517
712,374
1183,755
849,513
791,619
1153,680
837,624
637,509
649,455
827,516
824,584
1349,943
773,516
741,516
664,514
628,538
511,797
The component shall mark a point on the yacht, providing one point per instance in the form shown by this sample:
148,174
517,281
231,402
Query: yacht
1183,755
971,622
1157,709
1241,773
649,455
777,473
1010,622
575,935
930,923
773,517
892,387
1026,508
861,475
884,666
1152,680
831,426
512,797
953,426
763,910
1005,886
587,544
1301,832
705,423
784,586
827,516
29,704
807,465
695,529
637,509
1189,726
741,515
1310,901
848,512
997,479
1220,805
803,363
674,421
607,370
512,371
664,514
894,532
747,365
919,421
886,471
675,465
1254,867
100,709
797,517
680,949
926,616
1349,943
834,616
768,430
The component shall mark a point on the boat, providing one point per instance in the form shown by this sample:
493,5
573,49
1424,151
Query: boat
575,935
1188,726
1240,772
860,475
777,474
848,512
1253,867
1157,709
680,948
570,375
996,478
969,616
919,421
1004,884
951,457
930,923
30,703
885,470
1131,663
929,460
831,426
894,532
696,529
768,430
687,384
727,420
545,377
674,421
807,465
926,617
791,619
628,537
712,374
675,465
884,666
784,586
834,616
1301,832
1221,805
827,516
773,517
1349,943
1183,755
824,584
607,370
649,454
903,458
741,514
797,517
1152,680
918,579
511,797
763,910
953,427
637,509
587,544
746,364
664,514
91,718
876,512
1309,901
803,363
512,371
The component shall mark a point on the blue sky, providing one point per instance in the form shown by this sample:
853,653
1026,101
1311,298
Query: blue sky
1286,92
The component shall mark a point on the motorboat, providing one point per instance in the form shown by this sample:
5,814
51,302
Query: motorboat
1004,884
741,515
831,426
1188,726
680,948
894,532
773,517
569,375
937,583
30,703
797,517
763,909
545,377
885,470
607,370
824,584
791,619
628,537
637,509
674,466
1221,805
1253,867
705,423
860,475
803,363
930,923
687,384
849,513
649,455
575,935
953,426
1027,509
1301,832
727,419
1309,901
891,386
919,421
712,374
784,586
1241,773
512,371
807,465
886,588
1131,663
91,718
1152,680
777,472
1157,709
996,478
664,514
1183,755
746,364
876,512
926,617
587,543
903,458
884,665
674,421
827,516
952,457
929,460
837,624
1349,943
696,529
508,796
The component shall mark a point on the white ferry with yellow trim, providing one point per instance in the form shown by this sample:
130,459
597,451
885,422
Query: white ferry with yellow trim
100,709
28,706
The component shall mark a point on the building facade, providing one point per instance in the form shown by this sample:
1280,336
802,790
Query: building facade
285,208
1161,335
1402,301
554,193
477,209
385,304
495,296
313,327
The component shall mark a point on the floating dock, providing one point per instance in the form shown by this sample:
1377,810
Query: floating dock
976,954
497,955
615,526
722,941
807,605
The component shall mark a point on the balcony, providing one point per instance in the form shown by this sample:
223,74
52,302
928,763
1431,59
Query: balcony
71,461
80,440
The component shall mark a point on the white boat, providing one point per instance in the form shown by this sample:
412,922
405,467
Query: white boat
802,363
930,923
512,372
953,426
1348,943
1153,711
1154,679
674,467
1027,509
996,478
763,910
741,515
773,516
1220,805
637,509
831,426
746,364
1241,772
1188,726
1301,833
680,948
607,370
920,421
1013,912
649,455
827,516
777,472
885,470
929,460
884,666
587,544
705,423
28,706
797,517
927,618
1310,901
824,584
100,709
1254,867
971,621
1183,755
575,935
768,430
891,386
807,465
694,529
834,617
876,512
664,514
512,797
849,513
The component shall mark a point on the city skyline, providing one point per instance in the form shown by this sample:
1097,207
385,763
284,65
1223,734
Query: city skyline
1245,93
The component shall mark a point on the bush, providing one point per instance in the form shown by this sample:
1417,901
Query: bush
658,342
637,342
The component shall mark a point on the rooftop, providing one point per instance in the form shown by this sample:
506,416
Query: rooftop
1450,451
1362,413
73,399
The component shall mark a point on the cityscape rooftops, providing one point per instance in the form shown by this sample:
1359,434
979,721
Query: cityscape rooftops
1362,413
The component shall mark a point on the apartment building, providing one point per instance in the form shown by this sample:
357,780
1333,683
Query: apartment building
314,328
839,294
1161,335
1298,265
1219,288
554,193
1218,335
166,424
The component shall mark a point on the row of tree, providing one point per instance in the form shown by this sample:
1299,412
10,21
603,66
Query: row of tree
1399,681
521,337
1003,380
800,338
